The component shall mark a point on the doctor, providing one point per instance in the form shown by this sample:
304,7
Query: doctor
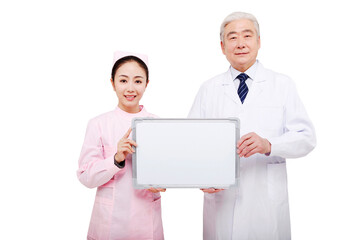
274,126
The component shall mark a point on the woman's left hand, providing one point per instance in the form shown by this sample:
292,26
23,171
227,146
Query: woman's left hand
156,190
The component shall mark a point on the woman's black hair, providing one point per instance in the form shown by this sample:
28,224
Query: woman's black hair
127,59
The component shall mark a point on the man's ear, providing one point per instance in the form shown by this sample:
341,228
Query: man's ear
222,47
259,42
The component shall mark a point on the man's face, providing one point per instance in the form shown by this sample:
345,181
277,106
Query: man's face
241,44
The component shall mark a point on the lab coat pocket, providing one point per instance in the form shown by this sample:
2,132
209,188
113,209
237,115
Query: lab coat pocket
102,212
277,182
101,218
109,151
158,228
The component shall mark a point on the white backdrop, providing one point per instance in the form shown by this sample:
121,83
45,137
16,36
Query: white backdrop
55,64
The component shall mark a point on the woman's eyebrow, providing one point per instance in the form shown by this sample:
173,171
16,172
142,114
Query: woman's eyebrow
123,75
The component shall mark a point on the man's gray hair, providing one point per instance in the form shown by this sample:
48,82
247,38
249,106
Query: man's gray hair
236,16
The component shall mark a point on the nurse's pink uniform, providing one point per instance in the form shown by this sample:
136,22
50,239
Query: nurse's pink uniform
120,211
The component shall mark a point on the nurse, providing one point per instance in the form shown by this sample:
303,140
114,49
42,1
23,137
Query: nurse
120,211
274,126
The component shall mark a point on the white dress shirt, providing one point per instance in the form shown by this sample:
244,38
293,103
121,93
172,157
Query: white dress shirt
250,72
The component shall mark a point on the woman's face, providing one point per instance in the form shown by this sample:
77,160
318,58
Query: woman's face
129,85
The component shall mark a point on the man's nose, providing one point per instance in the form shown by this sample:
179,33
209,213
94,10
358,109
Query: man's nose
240,43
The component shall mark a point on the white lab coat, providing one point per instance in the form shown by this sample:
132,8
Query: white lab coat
257,208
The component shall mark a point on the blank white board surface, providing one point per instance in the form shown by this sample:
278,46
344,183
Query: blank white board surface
197,153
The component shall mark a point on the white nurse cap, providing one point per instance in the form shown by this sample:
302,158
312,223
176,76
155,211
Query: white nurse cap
121,54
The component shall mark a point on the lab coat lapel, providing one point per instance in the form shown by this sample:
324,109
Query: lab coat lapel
257,85
229,88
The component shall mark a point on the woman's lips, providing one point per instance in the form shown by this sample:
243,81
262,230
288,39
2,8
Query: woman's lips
130,97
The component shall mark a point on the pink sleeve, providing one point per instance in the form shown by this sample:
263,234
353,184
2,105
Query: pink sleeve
94,169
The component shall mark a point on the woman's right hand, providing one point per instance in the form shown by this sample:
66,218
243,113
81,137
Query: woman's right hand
156,190
210,190
124,147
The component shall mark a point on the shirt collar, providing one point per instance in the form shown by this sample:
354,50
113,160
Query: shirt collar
125,114
250,72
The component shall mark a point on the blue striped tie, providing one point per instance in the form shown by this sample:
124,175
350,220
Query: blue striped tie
243,89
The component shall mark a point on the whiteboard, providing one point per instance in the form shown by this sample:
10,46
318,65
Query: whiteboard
185,152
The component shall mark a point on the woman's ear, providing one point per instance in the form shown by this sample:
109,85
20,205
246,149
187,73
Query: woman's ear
147,82
112,83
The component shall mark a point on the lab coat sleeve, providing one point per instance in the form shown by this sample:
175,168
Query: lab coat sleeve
94,169
197,109
298,138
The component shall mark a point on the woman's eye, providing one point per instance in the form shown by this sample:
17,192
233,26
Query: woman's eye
122,80
138,81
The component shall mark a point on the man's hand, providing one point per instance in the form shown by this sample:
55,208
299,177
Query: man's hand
252,143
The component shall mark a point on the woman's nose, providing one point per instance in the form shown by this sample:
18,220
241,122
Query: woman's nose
130,87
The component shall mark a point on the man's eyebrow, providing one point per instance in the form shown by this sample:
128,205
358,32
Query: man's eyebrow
232,32
243,31
247,31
